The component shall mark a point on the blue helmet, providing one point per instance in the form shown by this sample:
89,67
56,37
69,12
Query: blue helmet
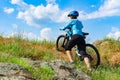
73,13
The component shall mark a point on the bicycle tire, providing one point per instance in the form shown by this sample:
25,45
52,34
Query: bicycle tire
61,42
95,55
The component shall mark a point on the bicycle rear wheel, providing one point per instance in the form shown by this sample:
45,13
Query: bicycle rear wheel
94,55
61,42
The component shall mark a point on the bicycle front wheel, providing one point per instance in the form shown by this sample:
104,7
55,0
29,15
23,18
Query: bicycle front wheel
94,55
61,42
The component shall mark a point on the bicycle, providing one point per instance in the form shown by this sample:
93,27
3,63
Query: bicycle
91,50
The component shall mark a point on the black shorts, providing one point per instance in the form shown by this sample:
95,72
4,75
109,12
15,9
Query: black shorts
79,41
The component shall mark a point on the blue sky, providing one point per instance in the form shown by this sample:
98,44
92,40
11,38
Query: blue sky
41,19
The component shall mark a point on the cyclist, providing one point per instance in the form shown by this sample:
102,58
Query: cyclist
77,38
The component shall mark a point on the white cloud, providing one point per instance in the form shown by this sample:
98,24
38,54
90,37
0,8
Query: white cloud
115,33
8,10
24,35
42,14
46,33
15,26
109,8
37,15
18,2
28,17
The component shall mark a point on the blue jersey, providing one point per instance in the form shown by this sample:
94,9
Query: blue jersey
75,26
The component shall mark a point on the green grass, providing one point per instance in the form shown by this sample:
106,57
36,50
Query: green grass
103,72
39,73
106,73
12,50
43,73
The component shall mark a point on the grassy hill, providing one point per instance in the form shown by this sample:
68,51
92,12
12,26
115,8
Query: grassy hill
24,48
13,49
109,50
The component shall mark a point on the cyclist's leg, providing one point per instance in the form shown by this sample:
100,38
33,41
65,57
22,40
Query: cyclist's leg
71,43
86,60
82,49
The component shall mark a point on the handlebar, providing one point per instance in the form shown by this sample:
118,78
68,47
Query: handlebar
69,32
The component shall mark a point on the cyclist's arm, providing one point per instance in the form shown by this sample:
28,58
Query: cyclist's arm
67,26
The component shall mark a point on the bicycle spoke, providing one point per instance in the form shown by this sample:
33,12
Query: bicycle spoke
61,42
93,53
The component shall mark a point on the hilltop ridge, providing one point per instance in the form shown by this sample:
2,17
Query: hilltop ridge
109,49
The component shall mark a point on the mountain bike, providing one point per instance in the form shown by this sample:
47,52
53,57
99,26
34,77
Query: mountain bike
91,50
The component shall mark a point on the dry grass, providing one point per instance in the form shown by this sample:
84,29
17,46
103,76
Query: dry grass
25,48
110,51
